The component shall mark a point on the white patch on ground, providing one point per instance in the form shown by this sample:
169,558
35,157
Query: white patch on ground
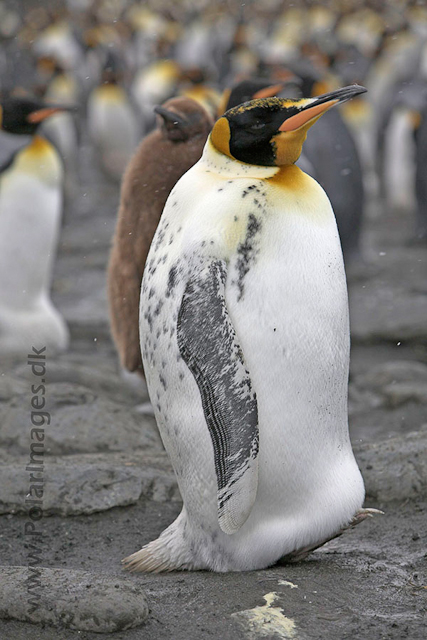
266,621
288,584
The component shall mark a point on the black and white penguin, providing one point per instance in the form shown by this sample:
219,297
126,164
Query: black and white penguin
31,186
112,121
245,345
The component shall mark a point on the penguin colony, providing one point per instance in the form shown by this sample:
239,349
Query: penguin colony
238,224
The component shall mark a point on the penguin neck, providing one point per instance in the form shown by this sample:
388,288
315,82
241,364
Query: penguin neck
62,87
286,177
217,162
40,160
110,92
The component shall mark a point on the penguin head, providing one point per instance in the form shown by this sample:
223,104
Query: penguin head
23,115
183,118
271,131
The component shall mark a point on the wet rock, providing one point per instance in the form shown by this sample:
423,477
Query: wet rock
101,379
81,421
84,484
389,385
11,387
395,469
361,400
71,599
383,311
401,393
377,425
392,372
388,400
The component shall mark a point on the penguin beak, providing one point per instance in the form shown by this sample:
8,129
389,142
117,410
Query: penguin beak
268,92
41,114
170,116
319,105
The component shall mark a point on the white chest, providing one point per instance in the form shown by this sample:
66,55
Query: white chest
30,215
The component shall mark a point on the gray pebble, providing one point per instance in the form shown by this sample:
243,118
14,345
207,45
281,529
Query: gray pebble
72,599
83,421
382,314
395,469
393,372
85,484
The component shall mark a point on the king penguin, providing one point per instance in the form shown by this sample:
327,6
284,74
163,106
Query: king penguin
111,120
245,345
160,160
31,185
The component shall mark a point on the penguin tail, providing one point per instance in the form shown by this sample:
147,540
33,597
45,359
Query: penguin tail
170,552
151,559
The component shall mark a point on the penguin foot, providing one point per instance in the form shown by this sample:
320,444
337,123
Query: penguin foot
361,515
301,554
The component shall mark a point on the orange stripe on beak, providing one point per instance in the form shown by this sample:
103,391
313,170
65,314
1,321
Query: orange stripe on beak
268,92
303,117
42,114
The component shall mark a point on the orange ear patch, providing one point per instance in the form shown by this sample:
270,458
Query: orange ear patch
303,117
220,136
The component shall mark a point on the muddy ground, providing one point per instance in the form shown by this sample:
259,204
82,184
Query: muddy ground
109,488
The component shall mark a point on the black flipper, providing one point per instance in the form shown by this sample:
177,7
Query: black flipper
208,344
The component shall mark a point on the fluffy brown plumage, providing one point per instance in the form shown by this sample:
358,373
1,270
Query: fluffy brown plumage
159,162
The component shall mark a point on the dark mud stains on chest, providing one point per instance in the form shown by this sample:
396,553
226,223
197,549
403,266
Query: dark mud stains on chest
172,280
247,252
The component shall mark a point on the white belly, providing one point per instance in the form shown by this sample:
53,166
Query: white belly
30,213
113,128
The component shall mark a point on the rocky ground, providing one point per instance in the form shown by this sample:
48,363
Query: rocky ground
109,486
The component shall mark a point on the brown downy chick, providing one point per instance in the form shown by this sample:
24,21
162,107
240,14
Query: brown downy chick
159,162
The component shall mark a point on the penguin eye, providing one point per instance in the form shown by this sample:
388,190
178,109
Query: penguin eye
257,126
